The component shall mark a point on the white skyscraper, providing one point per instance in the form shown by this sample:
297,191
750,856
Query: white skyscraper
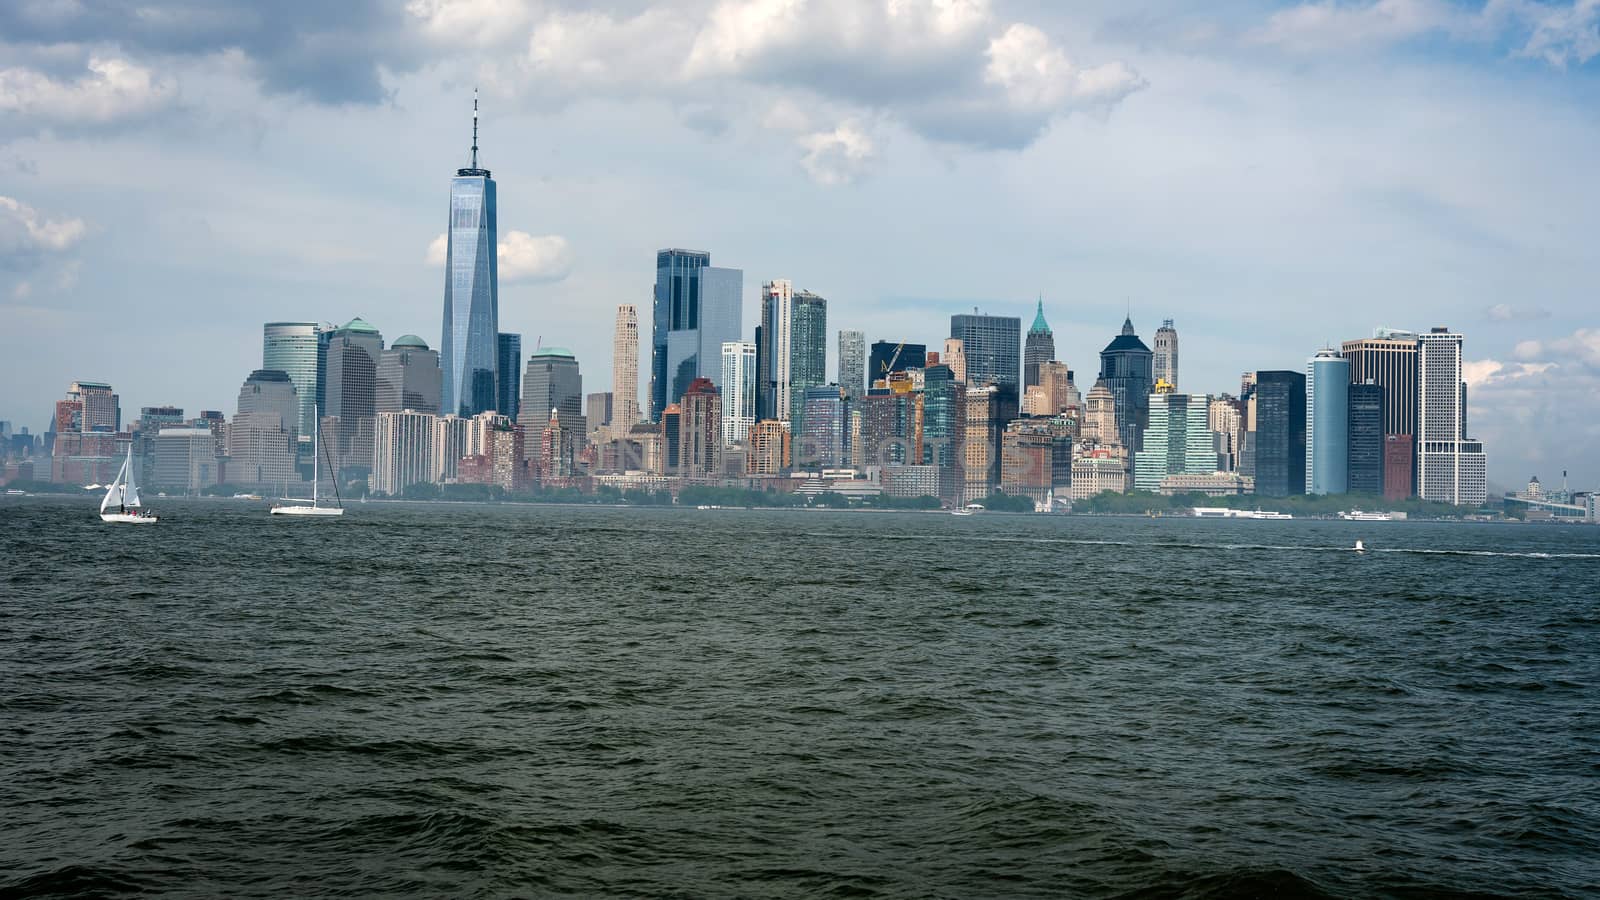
1165,358
1450,467
777,320
625,369
403,455
738,391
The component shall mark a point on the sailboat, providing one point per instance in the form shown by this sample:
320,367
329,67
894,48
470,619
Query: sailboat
124,494
296,507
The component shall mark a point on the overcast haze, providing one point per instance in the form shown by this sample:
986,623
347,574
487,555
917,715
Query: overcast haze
1272,176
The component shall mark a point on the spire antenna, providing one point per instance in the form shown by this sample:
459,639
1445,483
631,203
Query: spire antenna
474,128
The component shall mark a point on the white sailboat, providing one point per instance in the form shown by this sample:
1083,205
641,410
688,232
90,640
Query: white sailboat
297,507
124,495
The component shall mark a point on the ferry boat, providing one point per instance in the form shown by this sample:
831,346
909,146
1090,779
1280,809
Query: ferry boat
1356,515
1222,512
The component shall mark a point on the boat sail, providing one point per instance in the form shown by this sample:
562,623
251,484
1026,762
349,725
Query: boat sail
124,495
298,507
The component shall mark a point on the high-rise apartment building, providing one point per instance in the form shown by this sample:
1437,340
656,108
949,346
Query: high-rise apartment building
1366,438
1126,368
1451,468
403,453
1280,433
1038,348
450,445
820,442
298,349
469,348
625,368
700,430
508,374
770,448
1327,423
943,419
409,377
889,429
808,347
550,381
992,347
738,391
1164,355
1178,441
853,364
988,409
773,343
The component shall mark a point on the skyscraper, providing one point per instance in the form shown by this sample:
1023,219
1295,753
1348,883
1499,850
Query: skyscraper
1165,358
853,363
1126,368
820,443
409,377
676,303
508,372
1100,416
738,391
102,410
1451,468
1327,423
469,348
893,356
1389,360
703,306
989,407
955,356
1280,442
1366,438
551,382
403,453
772,350
625,368
808,347
992,346
1178,441
700,430
299,350
261,437
1039,347
943,417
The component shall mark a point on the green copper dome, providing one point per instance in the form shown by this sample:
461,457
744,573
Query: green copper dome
1039,325
553,351
359,324
409,341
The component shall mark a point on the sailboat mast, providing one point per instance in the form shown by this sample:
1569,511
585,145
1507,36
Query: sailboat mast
316,434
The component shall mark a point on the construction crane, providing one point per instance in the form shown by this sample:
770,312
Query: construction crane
888,367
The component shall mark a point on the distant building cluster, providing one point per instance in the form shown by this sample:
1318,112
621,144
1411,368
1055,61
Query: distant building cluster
990,411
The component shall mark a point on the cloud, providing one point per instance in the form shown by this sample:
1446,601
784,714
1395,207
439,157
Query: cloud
1505,312
1562,36
26,235
837,157
1036,75
1553,389
111,91
522,256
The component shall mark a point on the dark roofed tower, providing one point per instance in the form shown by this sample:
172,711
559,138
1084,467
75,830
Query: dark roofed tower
1038,348
1126,369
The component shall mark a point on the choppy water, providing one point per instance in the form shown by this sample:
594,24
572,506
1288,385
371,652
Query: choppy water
516,701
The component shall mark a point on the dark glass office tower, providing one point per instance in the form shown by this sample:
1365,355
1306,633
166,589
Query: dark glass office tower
882,354
676,308
808,348
1280,433
1126,367
508,391
992,346
1366,437
469,350
942,417
1038,348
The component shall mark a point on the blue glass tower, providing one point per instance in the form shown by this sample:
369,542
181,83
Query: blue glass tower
469,349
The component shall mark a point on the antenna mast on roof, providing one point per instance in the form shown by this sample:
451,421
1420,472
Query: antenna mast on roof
474,128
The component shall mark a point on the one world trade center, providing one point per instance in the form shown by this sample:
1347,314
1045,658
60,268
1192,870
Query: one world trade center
468,350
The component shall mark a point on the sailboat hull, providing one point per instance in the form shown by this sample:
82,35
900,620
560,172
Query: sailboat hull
128,519
306,511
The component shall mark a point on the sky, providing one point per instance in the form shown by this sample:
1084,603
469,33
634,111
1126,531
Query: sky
1274,177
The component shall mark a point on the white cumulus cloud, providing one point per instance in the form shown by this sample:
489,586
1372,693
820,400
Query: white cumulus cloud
521,256
27,234
839,156
113,90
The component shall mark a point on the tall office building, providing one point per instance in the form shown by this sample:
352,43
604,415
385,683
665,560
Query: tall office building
773,350
738,391
1178,441
352,378
1327,423
700,430
808,347
550,382
1451,468
1038,348
262,437
820,442
625,368
102,410
1100,416
989,407
853,371
943,418
469,349
298,349
403,453
1366,457
1389,360
955,356
598,409
1280,433
889,434
1225,418
703,306
885,357
1164,360
409,377
1053,393
1126,367
992,346
508,374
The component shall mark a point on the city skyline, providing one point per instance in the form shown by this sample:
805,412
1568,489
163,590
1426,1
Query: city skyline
78,247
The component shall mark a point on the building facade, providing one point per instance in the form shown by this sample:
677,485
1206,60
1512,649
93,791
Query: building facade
1178,441
1164,354
403,453
700,430
409,377
1280,433
550,382
1389,360
299,350
853,363
991,347
1327,423
469,346
808,348
820,442
1451,468
1366,438
508,374
1038,348
1127,369
625,368
887,357
738,391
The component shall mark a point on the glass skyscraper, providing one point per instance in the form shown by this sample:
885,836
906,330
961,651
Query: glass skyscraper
1126,368
808,348
298,350
853,363
1327,423
992,346
1366,438
469,349
508,389
676,305
1280,451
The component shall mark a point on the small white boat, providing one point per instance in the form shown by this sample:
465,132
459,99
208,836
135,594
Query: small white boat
1359,547
124,494
968,510
290,506
1356,515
